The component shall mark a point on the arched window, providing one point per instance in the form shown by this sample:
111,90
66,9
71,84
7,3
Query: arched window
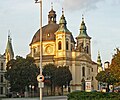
92,78
71,47
59,45
1,78
83,71
34,50
89,71
87,49
67,45
2,66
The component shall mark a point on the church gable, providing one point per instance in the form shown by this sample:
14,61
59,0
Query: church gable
84,57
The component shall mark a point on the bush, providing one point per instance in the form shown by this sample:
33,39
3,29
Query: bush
81,95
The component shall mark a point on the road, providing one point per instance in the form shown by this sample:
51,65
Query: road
44,98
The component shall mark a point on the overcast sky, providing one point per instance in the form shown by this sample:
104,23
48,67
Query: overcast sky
102,18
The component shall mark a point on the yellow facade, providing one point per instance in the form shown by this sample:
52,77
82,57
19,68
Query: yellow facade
60,48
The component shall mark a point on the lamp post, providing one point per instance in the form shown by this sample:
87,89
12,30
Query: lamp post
40,82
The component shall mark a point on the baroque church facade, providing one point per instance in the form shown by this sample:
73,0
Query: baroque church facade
59,47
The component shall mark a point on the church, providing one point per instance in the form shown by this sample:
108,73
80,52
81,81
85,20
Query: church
60,48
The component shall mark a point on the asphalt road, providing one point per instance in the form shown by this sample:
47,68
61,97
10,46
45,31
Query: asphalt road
44,98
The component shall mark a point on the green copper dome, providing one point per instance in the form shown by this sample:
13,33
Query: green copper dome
62,24
62,20
63,27
83,30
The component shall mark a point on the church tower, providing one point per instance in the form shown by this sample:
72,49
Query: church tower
52,15
9,54
83,40
64,41
99,63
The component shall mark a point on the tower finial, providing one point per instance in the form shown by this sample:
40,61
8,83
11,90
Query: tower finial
51,5
9,38
62,11
82,17
9,35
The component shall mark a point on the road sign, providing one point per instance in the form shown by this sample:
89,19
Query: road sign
41,84
40,78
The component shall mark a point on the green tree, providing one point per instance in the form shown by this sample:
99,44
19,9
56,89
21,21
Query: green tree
106,77
58,76
21,72
49,74
63,77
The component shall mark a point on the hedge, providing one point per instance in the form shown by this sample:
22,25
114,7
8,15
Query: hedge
81,95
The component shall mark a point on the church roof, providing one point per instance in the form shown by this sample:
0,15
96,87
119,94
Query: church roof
9,46
83,30
63,26
47,33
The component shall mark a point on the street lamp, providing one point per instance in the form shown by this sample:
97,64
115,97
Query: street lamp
40,83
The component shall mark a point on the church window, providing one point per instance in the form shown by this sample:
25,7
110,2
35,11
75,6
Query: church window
89,71
92,78
71,47
59,45
1,66
34,50
92,69
83,71
67,45
52,18
48,34
87,49
1,78
1,90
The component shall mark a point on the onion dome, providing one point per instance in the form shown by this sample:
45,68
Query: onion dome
83,30
63,26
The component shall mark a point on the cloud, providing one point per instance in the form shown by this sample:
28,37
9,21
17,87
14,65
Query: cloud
81,4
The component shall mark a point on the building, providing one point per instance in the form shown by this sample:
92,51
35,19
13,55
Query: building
60,48
106,65
7,56
2,78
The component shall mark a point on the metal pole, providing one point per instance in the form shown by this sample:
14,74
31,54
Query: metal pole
40,45
40,82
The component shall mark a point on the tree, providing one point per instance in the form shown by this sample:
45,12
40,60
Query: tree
58,76
115,65
21,72
112,74
63,77
49,73
106,77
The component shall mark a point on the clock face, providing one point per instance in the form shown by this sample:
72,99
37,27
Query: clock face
49,49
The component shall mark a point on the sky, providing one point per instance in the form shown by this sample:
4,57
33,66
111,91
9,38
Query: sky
22,18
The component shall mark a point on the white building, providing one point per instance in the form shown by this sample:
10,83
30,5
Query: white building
2,78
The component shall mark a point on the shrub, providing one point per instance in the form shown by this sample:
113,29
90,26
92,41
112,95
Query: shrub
81,95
